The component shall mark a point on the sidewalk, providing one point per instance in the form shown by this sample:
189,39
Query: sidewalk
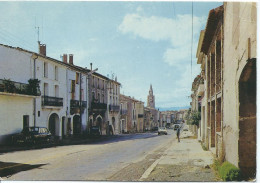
182,161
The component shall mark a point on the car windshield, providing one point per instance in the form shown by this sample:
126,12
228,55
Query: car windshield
33,129
163,128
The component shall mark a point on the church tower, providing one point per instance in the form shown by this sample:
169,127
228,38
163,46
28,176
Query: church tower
151,98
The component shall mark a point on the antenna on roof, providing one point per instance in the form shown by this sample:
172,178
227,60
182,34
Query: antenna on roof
38,32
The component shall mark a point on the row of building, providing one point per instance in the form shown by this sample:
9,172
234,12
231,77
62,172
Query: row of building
225,90
36,90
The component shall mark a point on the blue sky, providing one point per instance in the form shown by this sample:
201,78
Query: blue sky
141,43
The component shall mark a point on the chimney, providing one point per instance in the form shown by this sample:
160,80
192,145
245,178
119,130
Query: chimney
71,59
91,66
42,49
65,58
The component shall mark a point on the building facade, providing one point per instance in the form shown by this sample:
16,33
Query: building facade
227,54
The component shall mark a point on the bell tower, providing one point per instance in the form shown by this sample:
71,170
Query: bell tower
151,98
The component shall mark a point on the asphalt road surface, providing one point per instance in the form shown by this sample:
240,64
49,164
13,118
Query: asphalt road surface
107,160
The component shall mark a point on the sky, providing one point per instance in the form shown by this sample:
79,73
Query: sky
141,43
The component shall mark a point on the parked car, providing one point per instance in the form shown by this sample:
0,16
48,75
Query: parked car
162,130
33,135
176,126
155,129
95,131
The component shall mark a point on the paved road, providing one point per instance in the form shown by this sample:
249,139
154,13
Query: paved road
97,161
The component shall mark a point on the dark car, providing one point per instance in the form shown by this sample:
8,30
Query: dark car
95,131
33,135
155,129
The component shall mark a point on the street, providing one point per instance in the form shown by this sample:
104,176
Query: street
131,153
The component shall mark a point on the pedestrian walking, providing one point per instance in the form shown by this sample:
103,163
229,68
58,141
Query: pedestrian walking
178,133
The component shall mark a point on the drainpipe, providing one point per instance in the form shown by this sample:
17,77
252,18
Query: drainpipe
34,99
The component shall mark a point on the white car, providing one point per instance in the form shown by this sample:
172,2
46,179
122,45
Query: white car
162,130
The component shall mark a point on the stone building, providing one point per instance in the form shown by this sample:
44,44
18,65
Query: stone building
227,54
151,98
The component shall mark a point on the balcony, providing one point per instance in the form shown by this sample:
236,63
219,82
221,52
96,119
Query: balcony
115,108
52,101
74,103
9,86
140,115
97,106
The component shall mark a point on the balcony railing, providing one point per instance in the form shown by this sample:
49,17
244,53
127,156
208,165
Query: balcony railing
123,111
114,108
52,101
140,115
76,104
97,105
9,86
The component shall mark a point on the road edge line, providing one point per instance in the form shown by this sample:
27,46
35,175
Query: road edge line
150,169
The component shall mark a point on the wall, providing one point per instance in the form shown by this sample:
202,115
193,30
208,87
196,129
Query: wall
12,109
10,59
239,25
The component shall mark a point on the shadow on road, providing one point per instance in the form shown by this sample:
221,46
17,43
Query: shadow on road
9,168
80,141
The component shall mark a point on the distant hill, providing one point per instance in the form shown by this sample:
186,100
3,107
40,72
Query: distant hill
173,108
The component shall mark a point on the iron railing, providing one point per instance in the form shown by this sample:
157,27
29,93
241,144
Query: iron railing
76,103
97,105
52,101
114,108
123,111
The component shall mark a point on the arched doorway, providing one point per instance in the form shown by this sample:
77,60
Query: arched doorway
114,124
99,124
76,125
54,124
247,119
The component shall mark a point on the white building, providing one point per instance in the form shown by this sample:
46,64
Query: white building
62,106
113,110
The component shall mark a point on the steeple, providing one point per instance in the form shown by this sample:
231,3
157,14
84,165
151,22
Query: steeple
151,98
151,90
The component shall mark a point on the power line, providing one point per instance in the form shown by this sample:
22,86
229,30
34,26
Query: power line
191,39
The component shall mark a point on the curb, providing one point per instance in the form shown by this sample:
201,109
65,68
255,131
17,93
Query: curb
151,168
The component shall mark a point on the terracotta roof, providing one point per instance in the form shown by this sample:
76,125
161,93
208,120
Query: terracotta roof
214,17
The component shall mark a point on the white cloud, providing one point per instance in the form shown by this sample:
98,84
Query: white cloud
177,31
154,28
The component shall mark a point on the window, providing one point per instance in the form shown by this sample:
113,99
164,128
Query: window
82,94
45,69
72,89
93,95
77,78
99,98
46,89
103,98
56,90
98,83
56,73
93,80
39,113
